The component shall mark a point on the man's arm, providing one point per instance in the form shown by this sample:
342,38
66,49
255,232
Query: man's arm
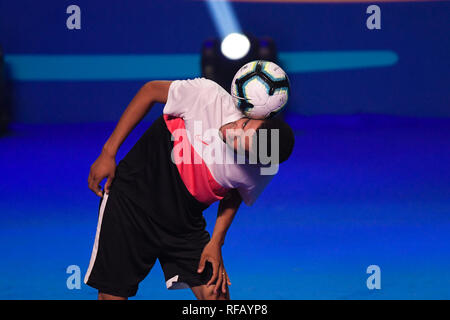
151,92
104,166
228,207
212,252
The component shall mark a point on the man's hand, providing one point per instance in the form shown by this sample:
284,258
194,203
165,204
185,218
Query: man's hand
213,253
104,166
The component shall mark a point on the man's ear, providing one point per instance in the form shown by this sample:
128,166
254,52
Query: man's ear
252,153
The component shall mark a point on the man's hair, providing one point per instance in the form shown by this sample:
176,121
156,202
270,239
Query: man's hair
263,139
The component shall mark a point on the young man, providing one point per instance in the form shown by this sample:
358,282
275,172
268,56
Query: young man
153,201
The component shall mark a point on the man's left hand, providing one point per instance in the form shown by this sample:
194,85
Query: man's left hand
213,253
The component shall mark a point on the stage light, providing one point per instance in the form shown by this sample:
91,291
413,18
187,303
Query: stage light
224,18
235,46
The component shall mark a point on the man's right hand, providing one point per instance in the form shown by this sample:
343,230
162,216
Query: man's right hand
103,167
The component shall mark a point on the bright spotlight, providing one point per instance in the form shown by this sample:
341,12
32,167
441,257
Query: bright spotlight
235,46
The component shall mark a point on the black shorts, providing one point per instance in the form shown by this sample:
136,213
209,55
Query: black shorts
148,214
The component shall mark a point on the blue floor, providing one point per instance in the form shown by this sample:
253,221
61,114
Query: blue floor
359,190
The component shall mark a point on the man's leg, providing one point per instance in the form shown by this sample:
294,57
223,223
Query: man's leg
205,292
122,254
105,296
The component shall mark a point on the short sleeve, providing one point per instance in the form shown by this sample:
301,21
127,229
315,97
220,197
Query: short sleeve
185,96
251,191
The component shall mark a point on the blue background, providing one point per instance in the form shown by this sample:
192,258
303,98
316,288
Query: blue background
368,183
417,32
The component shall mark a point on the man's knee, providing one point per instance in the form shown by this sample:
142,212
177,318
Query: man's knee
207,293
105,296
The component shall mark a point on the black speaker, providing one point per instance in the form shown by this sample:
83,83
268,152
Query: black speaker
5,105
217,67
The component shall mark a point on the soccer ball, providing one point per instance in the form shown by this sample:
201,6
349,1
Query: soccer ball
260,89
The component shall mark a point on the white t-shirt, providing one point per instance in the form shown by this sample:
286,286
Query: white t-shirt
204,106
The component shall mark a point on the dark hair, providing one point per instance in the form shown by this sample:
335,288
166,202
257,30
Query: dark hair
285,139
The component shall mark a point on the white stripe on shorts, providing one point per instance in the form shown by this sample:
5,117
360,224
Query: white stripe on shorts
97,235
